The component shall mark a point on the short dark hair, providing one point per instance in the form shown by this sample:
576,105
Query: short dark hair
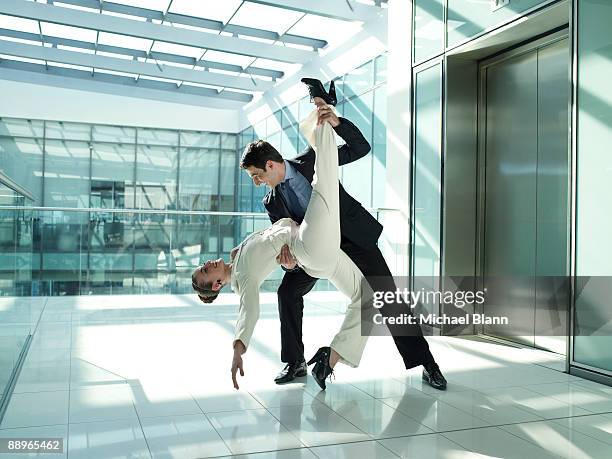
205,292
258,153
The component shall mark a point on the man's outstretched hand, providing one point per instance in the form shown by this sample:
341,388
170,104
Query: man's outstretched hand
285,258
239,349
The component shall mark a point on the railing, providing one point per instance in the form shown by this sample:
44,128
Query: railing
84,251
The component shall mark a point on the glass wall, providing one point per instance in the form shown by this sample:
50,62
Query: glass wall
467,18
593,316
136,202
134,252
15,280
83,166
362,100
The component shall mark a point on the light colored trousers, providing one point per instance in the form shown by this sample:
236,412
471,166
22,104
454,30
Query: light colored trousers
317,247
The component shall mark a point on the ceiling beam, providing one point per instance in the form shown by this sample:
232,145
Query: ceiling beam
151,31
345,10
129,66
120,86
193,21
137,53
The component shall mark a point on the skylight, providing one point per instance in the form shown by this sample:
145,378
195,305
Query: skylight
70,66
255,23
23,25
332,30
208,9
159,5
265,17
124,41
73,33
21,59
227,58
181,50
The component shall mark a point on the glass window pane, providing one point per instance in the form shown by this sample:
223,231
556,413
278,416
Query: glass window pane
359,80
275,141
111,244
21,128
290,115
21,160
467,18
379,147
228,141
305,107
199,139
228,180
428,29
199,181
112,175
116,134
273,123
357,176
157,137
66,174
227,230
593,324
63,246
427,172
245,192
381,69
67,131
289,142
340,92
246,137
153,248
260,130
8,273
156,177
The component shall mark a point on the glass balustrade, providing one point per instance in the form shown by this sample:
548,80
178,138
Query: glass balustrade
16,312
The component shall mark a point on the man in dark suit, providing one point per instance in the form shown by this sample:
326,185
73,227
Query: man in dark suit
290,187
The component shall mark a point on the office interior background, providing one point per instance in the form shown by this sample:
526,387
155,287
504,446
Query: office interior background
122,125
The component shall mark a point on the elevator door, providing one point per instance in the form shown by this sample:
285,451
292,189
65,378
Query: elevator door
525,218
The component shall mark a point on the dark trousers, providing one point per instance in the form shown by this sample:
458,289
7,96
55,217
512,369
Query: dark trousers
295,284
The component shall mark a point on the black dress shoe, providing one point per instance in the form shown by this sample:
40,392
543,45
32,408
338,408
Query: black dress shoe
321,370
290,372
433,376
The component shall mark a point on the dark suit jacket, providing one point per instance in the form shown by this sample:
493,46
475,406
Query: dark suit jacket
357,225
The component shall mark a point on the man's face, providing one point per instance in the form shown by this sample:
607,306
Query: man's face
269,176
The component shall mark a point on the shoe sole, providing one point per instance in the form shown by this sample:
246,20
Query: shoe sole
301,374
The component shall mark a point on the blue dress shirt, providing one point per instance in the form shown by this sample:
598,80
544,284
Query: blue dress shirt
296,190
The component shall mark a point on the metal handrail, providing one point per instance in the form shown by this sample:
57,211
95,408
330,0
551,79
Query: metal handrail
158,211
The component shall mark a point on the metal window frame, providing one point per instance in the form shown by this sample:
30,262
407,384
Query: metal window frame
573,366
431,63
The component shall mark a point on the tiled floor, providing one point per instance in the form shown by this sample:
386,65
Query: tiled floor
149,377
